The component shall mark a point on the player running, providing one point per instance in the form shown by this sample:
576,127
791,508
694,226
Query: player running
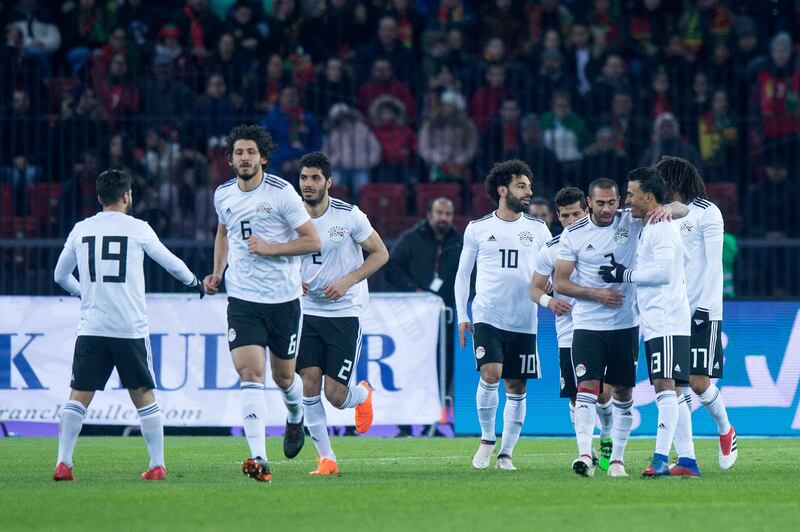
663,305
336,294
702,233
262,232
108,249
571,206
505,244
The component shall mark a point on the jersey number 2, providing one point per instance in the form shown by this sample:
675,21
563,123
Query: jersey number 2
120,256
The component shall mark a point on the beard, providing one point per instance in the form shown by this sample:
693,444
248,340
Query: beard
515,204
240,173
313,201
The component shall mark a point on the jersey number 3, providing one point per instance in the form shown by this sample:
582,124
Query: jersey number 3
120,256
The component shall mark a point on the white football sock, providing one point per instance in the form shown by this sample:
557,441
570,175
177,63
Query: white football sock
68,429
712,400
572,414
317,424
621,430
254,417
585,414
605,414
684,445
355,396
487,400
152,426
293,399
513,419
667,403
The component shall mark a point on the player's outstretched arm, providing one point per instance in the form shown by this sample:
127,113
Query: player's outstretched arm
212,281
63,272
538,294
377,256
167,260
308,242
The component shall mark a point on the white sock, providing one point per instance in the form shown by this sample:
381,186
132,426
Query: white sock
667,403
355,396
68,429
584,421
254,417
712,400
513,419
317,424
684,445
152,426
621,429
605,414
687,393
487,400
572,414
293,399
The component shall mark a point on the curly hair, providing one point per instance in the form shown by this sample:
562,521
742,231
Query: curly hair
317,159
682,178
257,134
501,174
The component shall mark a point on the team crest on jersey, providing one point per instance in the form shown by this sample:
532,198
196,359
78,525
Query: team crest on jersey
231,334
686,228
336,233
263,209
479,352
621,236
526,238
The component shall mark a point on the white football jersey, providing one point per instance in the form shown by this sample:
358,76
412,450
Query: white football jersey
506,256
660,284
546,265
342,228
272,211
109,249
590,246
702,233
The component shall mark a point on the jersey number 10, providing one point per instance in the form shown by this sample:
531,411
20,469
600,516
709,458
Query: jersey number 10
121,257
509,258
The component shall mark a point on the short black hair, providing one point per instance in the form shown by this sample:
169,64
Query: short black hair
604,183
650,180
500,176
317,159
257,134
569,195
681,178
539,200
438,199
111,185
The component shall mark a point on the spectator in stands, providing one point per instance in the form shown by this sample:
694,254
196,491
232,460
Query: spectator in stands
291,16
253,37
40,37
603,159
86,27
148,208
719,142
228,60
503,135
216,114
425,259
606,27
458,59
667,141
19,175
702,21
24,135
336,31
447,15
541,159
117,45
448,140
411,23
631,130
612,79
188,199
140,20
649,24
485,103
333,86
199,27
168,47
694,105
658,100
294,130
82,128
550,78
504,19
78,193
517,76
566,134
397,140
160,158
387,45
383,82
351,147
120,95
166,101
119,154
547,15
264,90
582,61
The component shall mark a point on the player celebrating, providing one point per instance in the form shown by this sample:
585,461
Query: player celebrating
109,249
605,343
505,244
664,310
260,218
702,233
570,207
336,294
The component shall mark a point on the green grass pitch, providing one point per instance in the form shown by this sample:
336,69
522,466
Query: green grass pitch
391,484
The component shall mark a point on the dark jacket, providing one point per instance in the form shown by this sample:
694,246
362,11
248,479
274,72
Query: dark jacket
413,258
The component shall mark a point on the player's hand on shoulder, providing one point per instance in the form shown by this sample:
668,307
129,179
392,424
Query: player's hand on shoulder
559,306
662,213
609,297
211,284
463,327
257,246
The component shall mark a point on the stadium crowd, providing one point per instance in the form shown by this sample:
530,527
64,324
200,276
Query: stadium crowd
397,92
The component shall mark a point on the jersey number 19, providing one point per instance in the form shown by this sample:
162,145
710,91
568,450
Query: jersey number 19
120,256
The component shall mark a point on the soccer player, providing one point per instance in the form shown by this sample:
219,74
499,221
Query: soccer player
108,249
605,342
505,244
571,206
702,233
263,231
336,294
663,304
